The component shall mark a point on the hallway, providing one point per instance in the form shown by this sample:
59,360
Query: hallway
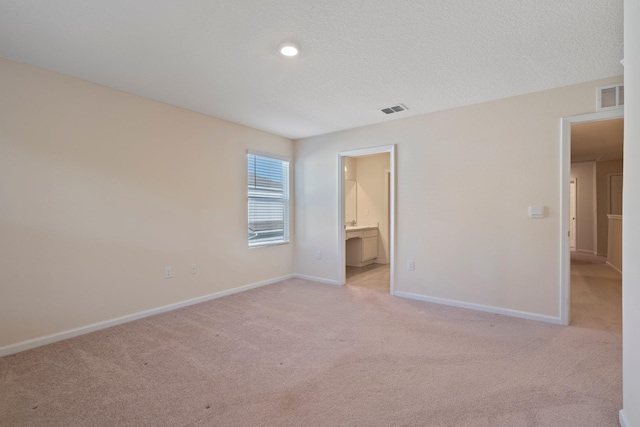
596,293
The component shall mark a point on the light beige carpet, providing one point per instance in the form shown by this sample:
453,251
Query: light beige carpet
299,353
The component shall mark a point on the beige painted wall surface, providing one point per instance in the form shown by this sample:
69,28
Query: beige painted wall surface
584,173
630,209
350,171
372,198
100,190
603,170
465,179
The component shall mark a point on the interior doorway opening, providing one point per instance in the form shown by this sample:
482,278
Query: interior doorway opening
592,150
366,217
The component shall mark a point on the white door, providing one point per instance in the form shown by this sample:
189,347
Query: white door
572,212
615,191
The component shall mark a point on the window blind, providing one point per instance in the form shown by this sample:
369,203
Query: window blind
268,200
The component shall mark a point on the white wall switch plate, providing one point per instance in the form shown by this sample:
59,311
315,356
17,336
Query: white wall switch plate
193,269
167,273
411,265
536,211
318,254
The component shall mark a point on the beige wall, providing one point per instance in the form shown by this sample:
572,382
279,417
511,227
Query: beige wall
100,190
465,178
372,198
603,170
585,175
350,171
631,225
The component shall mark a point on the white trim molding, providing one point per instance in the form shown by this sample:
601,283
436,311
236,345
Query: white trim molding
614,267
316,279
59,336
480,307
623,419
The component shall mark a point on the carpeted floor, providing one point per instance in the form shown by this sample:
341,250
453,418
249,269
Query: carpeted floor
577,258
596,293
299,353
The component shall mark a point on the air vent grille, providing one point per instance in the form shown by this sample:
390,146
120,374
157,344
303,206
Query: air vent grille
394,109
609,97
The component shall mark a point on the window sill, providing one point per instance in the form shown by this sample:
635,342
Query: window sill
265,245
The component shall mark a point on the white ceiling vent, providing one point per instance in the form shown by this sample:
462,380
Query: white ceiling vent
395,109
609,97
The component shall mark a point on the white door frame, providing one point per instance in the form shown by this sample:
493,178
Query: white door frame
565,179
391,149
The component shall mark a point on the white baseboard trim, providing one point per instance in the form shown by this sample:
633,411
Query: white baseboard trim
480,307
316,279
59,336
614,267
623,419
586,251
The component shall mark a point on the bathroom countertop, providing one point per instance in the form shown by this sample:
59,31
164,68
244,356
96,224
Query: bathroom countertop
359,227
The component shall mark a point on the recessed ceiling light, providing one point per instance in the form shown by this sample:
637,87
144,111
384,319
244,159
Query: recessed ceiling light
289,49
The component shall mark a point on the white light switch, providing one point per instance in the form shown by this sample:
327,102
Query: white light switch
536,211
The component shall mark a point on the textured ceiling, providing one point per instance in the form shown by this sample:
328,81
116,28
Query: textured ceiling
597,141
219,57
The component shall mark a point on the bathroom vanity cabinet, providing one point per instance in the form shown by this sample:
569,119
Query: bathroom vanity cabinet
362,245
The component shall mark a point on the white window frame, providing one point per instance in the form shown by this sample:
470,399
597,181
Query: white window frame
257,195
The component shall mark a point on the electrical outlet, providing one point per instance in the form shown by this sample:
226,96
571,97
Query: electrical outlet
193,269
411,265
167,273
318,254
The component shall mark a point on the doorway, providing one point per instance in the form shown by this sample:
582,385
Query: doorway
572,223
361,233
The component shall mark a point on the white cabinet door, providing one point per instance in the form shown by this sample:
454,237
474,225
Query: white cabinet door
369,248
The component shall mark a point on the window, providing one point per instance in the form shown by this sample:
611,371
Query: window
268,192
